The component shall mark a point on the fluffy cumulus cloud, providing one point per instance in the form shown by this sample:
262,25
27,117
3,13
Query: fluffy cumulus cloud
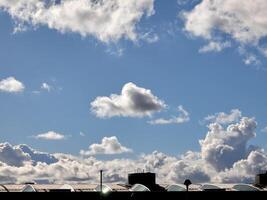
222,147
20,155
50,135
225,156
243,21
182,118
189,166
133,101
12,155
11,85
244,169
37,156
106,20
109,145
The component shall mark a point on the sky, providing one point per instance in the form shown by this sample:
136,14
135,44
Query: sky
171,86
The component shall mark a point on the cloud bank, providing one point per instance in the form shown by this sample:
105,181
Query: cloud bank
106,20
225,156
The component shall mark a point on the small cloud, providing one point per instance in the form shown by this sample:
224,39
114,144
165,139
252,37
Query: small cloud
223,118
51,135
251,59
150,37
82,134
115,51
214,46
11,85
182,118
109,146
46,86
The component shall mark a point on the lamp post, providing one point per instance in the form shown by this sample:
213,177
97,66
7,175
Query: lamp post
101,180
187,182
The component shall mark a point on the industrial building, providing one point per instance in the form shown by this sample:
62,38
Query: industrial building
140,182
125,188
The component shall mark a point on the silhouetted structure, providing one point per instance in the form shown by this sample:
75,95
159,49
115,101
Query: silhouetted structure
101,180
142,178
144,186
261,180
147,179
187,182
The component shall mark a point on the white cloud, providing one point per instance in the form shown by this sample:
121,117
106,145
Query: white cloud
12,156
214,46
19,155
189,166
251,59
37,156
133,101
51,135
244,170
223,147
243,21
11,85
109,145
150,37
108,21
223,118
182,118
225,156
46,86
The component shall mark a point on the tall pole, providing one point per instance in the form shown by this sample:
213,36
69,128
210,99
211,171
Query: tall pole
101,180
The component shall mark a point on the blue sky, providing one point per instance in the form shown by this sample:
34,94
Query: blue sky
79,69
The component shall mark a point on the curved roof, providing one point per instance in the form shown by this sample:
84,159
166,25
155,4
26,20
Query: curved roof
28,188
4,187
139,188
175,188
245,187
67,187
210,187
105,188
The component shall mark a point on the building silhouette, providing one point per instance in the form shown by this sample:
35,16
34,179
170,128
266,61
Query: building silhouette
144,185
